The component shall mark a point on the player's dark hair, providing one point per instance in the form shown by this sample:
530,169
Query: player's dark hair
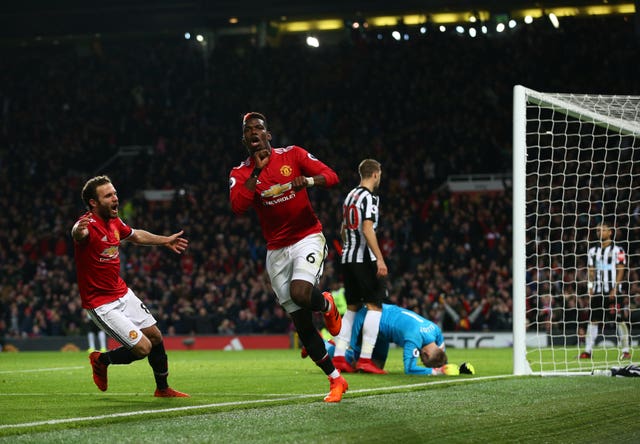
610,225
89,190
367,167
254,115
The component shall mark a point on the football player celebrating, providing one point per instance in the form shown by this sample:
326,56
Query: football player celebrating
113,306
274,182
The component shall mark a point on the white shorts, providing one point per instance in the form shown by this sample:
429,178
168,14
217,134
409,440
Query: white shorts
123,319
303,261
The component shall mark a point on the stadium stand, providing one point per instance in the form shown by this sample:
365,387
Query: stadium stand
425,108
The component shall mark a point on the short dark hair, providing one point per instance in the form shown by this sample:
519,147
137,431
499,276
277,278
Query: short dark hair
436,359
89,189
609,225
367,167
254,115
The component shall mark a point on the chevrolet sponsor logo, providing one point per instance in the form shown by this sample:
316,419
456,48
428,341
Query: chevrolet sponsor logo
276,190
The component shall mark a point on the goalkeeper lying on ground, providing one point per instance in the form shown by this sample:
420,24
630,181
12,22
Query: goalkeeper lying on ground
418,336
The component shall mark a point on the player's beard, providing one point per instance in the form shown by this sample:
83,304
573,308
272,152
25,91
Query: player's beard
258,147
107,212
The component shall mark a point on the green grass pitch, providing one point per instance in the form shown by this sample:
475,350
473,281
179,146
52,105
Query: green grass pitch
275,396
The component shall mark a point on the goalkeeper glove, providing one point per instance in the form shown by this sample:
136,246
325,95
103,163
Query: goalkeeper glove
449,370
467,368
629,370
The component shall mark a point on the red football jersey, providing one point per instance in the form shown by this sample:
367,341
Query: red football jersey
98,261
285,215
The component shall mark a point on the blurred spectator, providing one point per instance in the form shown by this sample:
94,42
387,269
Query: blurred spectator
65,110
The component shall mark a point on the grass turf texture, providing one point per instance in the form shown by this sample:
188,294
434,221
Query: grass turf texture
274,396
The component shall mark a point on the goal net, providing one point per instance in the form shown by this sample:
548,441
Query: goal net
576,165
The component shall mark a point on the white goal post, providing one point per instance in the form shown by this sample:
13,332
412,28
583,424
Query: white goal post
576,163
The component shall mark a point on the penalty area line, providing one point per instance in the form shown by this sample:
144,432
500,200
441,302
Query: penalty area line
239,403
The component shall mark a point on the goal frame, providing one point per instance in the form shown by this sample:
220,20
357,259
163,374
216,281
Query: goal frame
521,97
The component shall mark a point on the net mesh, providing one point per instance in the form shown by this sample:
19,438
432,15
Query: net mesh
583,168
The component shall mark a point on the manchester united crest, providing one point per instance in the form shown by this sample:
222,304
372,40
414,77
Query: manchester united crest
286,170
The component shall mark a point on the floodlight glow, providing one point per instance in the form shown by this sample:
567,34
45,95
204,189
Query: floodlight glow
187,35
442,28
313,42
460,29
484,29
200,38
500,27
423,30
405,37
473,32
512,24
473,19
554,20
528,19
396,35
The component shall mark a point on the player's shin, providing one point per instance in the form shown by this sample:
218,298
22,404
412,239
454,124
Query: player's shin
312,341
159,363
120,355
623,335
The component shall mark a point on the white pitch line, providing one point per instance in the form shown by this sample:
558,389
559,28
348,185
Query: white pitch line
53,369
237,403
123,394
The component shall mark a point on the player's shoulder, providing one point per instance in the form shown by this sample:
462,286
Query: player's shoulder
358,193
287,149
391,308
244,164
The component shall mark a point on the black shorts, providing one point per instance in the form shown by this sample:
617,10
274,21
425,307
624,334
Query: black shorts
361,284
604,308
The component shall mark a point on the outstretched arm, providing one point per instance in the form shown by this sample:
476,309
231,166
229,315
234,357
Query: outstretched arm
174,242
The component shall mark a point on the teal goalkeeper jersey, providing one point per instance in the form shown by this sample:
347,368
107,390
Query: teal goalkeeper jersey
404,328
410,331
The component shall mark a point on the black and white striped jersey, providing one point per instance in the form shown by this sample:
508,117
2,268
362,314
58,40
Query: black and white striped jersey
604,261
359,205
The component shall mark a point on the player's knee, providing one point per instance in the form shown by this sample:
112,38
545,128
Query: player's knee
303,321
142,348
300,292
153,334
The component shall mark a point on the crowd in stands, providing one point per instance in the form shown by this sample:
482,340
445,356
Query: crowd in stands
425,108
